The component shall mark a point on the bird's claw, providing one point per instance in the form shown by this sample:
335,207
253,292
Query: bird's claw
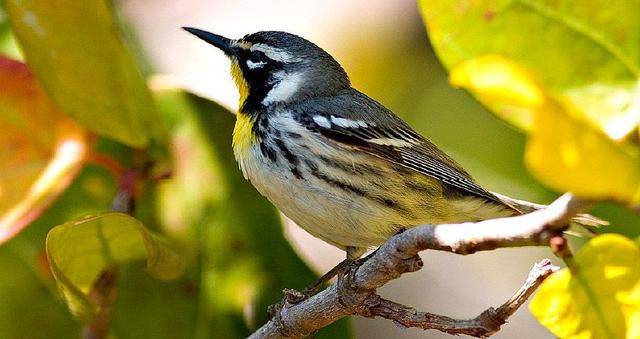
347,282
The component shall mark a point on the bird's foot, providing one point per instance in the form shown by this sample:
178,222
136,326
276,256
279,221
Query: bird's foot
317,285
292,297
347,282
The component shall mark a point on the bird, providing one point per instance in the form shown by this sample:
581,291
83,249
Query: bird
336,162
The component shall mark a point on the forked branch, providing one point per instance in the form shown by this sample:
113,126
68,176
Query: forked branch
355,293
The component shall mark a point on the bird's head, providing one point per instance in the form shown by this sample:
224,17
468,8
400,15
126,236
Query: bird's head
273,67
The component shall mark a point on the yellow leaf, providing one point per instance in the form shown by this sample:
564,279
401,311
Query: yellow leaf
615,109
567,154
565,149
42,149
600,298
79,250
502,85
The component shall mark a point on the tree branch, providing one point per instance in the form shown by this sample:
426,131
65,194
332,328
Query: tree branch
355,293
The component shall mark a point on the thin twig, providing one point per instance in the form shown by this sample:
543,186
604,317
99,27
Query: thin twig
355,294
103,294
485,324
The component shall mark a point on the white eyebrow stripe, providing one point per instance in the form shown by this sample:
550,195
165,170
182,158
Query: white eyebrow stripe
273,53
348,123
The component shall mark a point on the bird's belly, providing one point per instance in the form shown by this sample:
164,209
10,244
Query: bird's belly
344,209
330,214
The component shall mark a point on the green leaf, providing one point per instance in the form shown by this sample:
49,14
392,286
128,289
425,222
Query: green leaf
79,251
42,149
77,51
588,51
599,298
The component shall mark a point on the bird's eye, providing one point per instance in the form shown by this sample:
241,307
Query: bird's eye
256,60
257,56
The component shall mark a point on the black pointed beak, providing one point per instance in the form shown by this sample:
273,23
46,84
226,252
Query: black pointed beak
224,44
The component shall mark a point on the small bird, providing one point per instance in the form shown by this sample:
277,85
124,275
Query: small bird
336,162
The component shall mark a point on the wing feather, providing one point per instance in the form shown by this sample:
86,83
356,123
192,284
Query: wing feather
360,122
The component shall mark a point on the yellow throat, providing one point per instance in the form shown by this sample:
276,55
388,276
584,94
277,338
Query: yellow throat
243,136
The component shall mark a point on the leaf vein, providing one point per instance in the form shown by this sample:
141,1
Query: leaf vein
579,27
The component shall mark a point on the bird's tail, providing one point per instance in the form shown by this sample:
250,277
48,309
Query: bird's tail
586,221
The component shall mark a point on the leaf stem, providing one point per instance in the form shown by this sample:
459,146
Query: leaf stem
560,247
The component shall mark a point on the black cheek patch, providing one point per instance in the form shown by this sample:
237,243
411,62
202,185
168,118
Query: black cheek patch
259,83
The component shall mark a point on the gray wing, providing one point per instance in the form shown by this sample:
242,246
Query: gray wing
353,119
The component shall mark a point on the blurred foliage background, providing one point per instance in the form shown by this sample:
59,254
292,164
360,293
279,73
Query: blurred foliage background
121,72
